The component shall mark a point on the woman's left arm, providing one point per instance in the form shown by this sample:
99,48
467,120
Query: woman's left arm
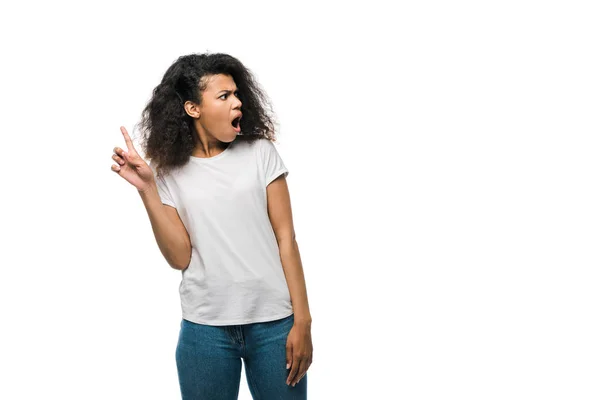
299,344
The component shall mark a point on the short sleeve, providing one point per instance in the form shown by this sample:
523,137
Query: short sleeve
272,162
163,189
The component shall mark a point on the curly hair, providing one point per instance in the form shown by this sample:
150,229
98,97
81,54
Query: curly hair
168,133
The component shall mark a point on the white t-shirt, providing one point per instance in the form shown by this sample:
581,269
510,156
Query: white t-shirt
235,275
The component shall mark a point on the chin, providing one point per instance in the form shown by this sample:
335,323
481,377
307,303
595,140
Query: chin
226,138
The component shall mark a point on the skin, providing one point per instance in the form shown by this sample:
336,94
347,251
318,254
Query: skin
212,120
299,348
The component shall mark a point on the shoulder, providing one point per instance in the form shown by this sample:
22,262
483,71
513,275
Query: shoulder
261,145
265,145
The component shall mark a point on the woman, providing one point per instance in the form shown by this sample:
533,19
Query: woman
217,197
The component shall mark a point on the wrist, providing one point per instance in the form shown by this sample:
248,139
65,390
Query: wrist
302,320
151,187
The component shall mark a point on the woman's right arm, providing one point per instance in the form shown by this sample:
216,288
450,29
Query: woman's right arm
169,231
171,235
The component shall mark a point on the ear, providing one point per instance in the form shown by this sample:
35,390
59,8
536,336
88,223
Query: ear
191,109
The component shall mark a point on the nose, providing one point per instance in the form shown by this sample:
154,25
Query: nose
238,103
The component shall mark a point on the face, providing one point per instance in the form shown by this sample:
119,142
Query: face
220,105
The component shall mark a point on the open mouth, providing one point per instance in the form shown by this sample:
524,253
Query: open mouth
236,124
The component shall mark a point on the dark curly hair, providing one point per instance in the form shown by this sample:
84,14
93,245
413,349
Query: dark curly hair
168,132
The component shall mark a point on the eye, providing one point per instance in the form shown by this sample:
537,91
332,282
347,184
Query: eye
237,94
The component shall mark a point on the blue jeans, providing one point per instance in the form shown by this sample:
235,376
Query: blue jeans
209,361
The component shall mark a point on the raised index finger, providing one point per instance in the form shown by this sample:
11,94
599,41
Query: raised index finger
127,140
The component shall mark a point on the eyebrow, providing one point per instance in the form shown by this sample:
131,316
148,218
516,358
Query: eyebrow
228,91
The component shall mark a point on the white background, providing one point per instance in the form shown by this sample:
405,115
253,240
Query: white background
443,163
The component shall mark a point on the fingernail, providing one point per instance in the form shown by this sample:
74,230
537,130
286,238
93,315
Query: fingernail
287,366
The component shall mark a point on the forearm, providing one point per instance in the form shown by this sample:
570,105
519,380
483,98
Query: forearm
172,240
294,275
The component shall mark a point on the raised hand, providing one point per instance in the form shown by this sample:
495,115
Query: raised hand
131,166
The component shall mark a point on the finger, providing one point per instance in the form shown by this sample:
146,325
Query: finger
299,379
118,159
301,371
120,152
127,140
288,356
293,371
115,168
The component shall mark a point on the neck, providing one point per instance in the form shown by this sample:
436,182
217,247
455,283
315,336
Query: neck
205,148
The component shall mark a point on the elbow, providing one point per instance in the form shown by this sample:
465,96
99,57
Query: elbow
178,267
287,242
185,261
287,236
